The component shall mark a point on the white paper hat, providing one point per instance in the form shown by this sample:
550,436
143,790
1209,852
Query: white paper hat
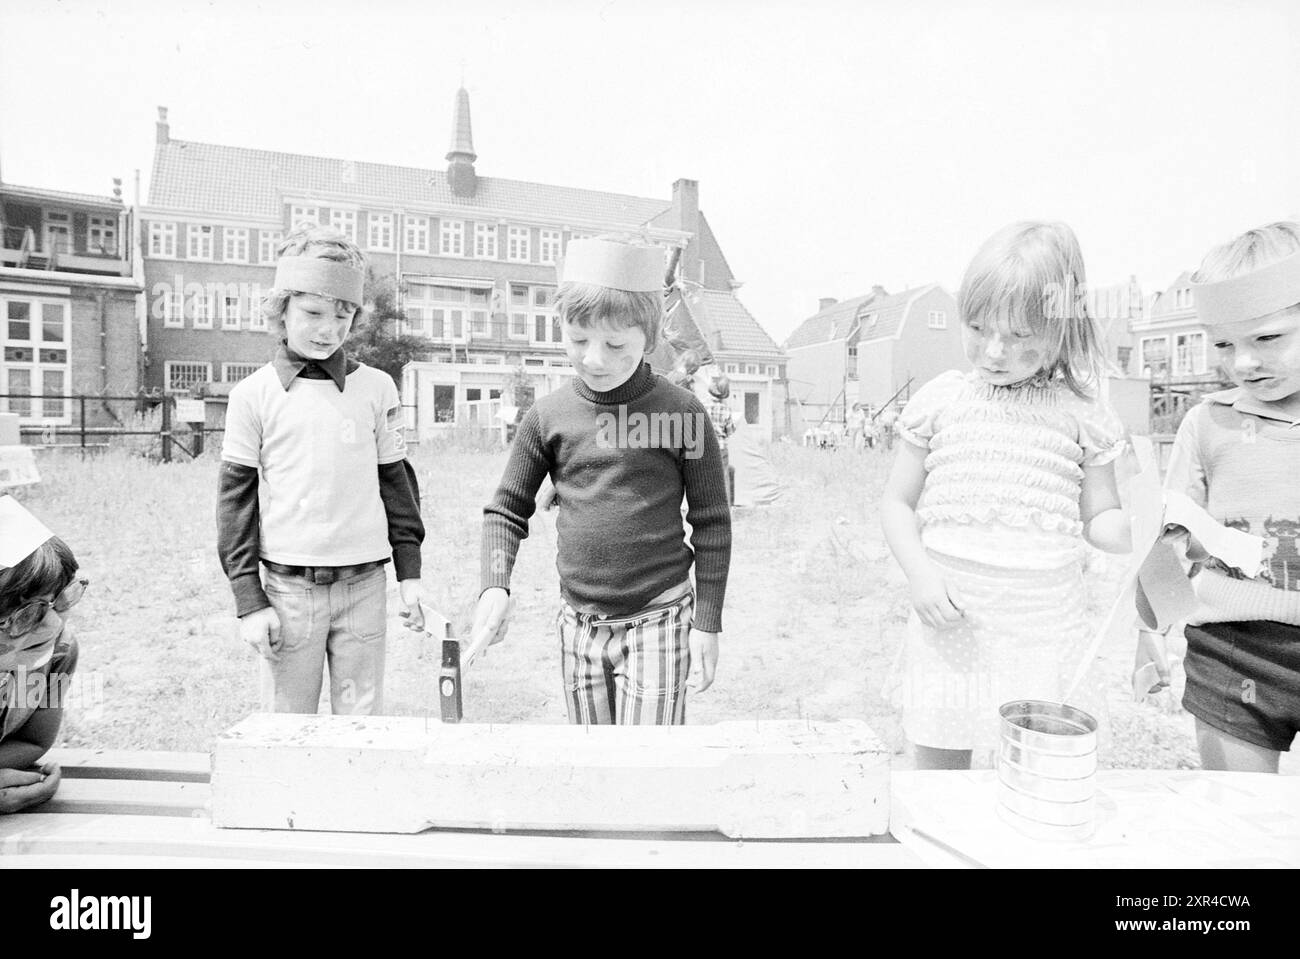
636,268
20,533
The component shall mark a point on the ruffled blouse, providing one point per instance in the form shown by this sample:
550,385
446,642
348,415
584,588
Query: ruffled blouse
1009,455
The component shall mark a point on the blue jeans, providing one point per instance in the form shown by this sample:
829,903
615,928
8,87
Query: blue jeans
342,623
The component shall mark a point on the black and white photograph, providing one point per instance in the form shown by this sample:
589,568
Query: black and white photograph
651,435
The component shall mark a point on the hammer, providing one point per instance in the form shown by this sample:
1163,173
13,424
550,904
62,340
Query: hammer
449,678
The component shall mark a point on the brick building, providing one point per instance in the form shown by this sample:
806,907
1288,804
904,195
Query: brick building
68,304
472,257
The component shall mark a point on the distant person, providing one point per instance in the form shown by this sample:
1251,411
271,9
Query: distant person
888,420
38,653
856,423
724,424
1238,455
631,627
1002,473
316,487
683,374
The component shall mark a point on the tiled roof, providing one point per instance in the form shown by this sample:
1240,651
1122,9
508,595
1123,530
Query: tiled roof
40,193
888,312
240,182
721,313
832,323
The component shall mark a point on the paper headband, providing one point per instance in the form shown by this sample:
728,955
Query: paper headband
1252,295
20,533
311,274
617,266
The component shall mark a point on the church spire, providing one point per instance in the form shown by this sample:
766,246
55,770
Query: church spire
461,156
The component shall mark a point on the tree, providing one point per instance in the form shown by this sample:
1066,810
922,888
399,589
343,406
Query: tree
375,340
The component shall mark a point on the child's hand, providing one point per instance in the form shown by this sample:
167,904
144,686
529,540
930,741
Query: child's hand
937,602
20,788
491,616
261,630
408,591
1150,659
1182,539
704,659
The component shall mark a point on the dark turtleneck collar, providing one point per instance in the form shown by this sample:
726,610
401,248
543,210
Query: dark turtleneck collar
637,385
290,365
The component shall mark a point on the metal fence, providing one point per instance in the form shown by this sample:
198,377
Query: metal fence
78,434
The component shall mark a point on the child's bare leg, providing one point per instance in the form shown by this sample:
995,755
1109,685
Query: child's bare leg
1221,751
931,757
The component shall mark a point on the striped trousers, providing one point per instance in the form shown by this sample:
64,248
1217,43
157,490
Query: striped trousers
629,671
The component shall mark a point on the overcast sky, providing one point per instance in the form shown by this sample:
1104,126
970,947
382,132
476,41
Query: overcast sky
837,144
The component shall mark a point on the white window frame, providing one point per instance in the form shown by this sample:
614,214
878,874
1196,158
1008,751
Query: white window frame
517,240
937,320
195,234
256,318
773,371
226,368
1142,352
174,310
548,245
345,221
731,368
101,231
57,223
36,368
162,239
190,366
751,369
229,318
423,297
451,237
415,234
485,241
1196,359
302,211
546,314
379,232
234,244
267,241
201,306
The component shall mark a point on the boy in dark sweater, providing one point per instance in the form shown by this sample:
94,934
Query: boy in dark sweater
622,446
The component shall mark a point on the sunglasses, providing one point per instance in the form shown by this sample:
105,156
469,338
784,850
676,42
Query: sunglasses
28,617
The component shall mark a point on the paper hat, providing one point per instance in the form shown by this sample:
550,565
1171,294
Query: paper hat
20,533
635,268
1251,295
328,278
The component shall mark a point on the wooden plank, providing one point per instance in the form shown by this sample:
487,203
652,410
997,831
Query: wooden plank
131,764
126,797
92,840
398,774
1145,818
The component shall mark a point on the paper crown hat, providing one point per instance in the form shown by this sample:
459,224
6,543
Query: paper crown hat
1251,295
635,268
327,278
20,533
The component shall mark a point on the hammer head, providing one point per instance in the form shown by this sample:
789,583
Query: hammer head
449,682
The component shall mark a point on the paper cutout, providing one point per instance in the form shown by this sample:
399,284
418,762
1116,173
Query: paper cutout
327,278
1234,547
20,532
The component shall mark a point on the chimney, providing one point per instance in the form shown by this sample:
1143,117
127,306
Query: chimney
826,301
461,156
686,207
164,129
877,292
117,189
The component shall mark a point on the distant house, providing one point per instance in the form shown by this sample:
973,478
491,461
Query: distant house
473,259
870,349
68,301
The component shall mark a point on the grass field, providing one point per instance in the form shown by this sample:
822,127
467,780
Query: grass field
814,612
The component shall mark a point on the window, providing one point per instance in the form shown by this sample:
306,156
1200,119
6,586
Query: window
938,320
416,239
298,213
267,242
549,245
173,306
234,245
199,242
345,221
545,325
381,231
230,313
181,377
256,318
772,371
442,311
453,238
1189,353
1122,355
1153,352
517,246
101,234
485,241
162,238
478,322
202,307
234,372
732,368
751,369
58,232
1183,298
35,339
444,403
